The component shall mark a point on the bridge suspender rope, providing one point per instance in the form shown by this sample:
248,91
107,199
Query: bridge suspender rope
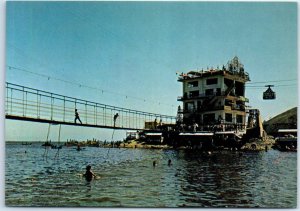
29,104
112,138
58,147
46,148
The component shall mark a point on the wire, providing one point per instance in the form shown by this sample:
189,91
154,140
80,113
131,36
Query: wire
282,85
264,82
83,85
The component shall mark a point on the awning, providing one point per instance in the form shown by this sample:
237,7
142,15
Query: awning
287,131
196,134
153,134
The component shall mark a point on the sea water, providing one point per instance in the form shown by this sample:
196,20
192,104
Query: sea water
43,177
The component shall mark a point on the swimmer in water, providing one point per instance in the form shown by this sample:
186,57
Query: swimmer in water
89,174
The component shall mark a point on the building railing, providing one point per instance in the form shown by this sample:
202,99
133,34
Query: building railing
243,75
203,95
213,108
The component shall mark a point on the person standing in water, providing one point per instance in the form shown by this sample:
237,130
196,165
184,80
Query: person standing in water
89,174
77,116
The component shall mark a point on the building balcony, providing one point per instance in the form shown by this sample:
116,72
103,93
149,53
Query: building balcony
191,97
213,108
203,95
194,97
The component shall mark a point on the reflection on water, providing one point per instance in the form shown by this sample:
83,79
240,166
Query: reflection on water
127,178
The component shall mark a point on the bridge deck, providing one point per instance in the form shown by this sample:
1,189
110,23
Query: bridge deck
31,119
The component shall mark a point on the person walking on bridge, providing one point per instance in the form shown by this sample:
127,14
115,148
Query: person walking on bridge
77,116
115,119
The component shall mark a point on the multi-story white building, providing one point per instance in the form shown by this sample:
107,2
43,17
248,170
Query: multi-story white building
214,98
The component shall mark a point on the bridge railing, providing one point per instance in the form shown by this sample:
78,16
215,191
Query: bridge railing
33,103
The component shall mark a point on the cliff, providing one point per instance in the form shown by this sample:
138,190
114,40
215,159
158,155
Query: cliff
287,119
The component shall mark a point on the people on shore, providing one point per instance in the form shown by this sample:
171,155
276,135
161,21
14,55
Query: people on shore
89,175
77,117
169,162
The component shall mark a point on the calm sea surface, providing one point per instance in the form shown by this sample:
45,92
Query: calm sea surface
52,178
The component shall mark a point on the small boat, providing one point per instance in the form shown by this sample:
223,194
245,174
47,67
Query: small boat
56,147
286,140
47,144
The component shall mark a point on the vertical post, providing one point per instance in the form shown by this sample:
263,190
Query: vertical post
111,115
39,99
23,92
51,107
121,121
126,120
129,119
37,104
95,114
75,104
6,110
136,119
64,115
86,112
25,102
11,95
104,117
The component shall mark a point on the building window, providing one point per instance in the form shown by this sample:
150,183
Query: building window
208,118
189,106
239,119
211,81
199,105
228,117
209,92
192,84
218,92
228,102
194,94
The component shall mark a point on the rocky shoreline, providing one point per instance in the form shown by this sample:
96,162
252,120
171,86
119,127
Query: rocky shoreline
252,145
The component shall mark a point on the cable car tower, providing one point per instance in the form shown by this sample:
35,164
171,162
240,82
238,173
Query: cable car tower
269,94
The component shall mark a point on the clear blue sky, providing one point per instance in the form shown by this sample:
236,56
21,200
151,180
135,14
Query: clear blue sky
134,49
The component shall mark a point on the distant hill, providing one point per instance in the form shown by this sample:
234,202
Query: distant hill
287,119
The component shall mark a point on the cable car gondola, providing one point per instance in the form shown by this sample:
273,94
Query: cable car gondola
269,94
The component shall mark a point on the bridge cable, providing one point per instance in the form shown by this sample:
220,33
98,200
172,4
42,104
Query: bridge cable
112,138
59,147
46,148
81,85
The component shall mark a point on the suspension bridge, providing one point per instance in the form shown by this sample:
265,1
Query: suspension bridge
29,104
